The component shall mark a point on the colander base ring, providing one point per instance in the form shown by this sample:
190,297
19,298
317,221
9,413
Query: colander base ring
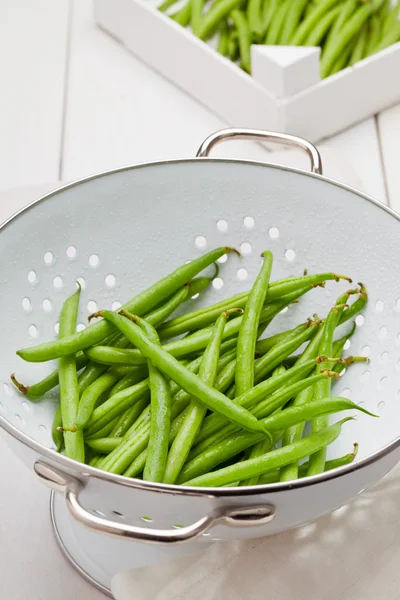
63,527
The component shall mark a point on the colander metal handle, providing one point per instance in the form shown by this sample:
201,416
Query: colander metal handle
234,516
259,135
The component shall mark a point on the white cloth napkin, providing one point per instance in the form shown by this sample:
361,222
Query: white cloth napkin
352,554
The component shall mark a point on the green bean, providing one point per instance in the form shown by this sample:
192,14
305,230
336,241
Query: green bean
196,411
262,346
274,476
143,302
233,45
104,445
160,423
359,50
391,19
270,8
191,383
347,10
114,406
130,378
69,395
103,432
223,41
311,21
254,18
128,418
277,23
38,390
247,337
206,316
136,439
56,433
183,15
197,17
273,460
292,20
244,38
343,60
374,34
215,15
353,25
263,446
316,37
323,388
391,37
266,407
213,423
166,5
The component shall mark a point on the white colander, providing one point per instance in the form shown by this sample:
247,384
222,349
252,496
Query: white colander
120,231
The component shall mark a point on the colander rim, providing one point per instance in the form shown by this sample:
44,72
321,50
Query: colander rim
83,470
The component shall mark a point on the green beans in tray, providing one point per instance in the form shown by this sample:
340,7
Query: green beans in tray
347,31
217,406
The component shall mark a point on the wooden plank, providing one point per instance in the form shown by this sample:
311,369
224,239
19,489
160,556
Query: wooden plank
389,133
358,148
33,41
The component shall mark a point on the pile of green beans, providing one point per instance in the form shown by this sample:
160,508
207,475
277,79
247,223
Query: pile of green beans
209,408
347,31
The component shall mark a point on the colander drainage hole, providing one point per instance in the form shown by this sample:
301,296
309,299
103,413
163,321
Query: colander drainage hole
200,242
116,305
81,282
147,519
366,376
222,225
110,280
92,306
47,305
118,514
347,345
80,327
195,297
398,304
26,304
366,351
98,513
273,233
48,258
71,252
248,222
32,277
360,320
385,355
43,428
57,282
379,306
242,274
7,389
217,283
245,248
383,332
381,406
384,381
222,259
56,328
2,409
33,331
94,261
18,420
290,254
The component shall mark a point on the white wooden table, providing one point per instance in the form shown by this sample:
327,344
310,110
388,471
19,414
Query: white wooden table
72,103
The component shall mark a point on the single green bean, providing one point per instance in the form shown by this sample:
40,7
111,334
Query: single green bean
104,445
103,432
268,12
264,345
292,20
69,394
274,476
311,21
276,25
182,16
273,460
215,15
197,17
56,433
164,6
347,10
197,410
223,41
128,418
317,35
261,447
160,423
359,50
247,337
254,18
352,26
141,303
38,390
244,38
391,37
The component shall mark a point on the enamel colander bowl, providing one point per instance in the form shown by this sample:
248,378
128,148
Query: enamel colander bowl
122,230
